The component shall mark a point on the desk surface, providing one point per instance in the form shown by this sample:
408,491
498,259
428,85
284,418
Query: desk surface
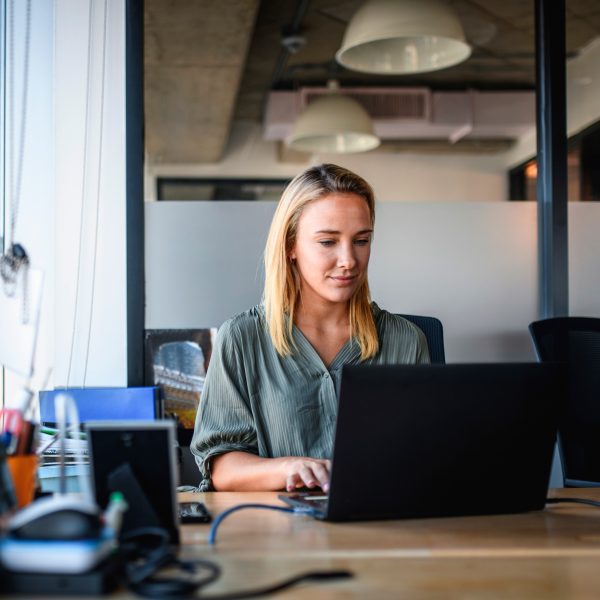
549,554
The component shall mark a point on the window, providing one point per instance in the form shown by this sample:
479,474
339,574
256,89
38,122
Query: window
219,189
583,172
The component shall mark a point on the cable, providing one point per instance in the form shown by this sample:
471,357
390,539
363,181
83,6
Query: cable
174,587
282,585
16,183
98,186
146,551
557,500
83,186
14,262
219,518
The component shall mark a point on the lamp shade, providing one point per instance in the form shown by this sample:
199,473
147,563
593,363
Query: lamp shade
333,123
402,37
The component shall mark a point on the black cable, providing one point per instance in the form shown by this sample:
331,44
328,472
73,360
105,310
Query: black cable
146,551
177,588
282,585
558,500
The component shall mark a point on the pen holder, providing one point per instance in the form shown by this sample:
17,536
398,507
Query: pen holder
23,469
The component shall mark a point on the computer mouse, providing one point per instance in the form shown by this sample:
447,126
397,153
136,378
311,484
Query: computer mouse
57,518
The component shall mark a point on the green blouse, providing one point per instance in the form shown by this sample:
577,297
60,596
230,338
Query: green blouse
256,401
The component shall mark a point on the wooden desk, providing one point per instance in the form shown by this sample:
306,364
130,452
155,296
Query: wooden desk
550,554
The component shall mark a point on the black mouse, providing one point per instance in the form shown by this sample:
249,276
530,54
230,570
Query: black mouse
57,518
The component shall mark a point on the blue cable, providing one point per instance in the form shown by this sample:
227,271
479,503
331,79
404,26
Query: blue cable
219,518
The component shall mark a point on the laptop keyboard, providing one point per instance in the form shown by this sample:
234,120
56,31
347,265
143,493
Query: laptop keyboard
317,503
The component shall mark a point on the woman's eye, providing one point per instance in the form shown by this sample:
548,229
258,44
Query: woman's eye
362,242
326,242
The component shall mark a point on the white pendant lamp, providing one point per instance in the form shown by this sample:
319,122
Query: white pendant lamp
394,37
333,123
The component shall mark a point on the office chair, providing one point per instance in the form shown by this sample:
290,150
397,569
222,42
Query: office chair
434,332
575,341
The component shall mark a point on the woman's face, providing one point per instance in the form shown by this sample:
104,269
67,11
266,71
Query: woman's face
332,249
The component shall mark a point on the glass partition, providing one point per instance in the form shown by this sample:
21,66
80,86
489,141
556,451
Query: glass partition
425,174
583,127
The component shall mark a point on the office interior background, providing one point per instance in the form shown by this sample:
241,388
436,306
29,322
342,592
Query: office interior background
456,224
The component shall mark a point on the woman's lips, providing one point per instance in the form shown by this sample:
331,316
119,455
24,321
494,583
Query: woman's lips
344,280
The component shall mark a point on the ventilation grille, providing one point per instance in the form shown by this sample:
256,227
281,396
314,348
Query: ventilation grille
409,104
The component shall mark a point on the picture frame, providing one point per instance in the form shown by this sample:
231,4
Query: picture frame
176,361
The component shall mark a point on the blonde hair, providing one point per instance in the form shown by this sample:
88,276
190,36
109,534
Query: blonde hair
282,280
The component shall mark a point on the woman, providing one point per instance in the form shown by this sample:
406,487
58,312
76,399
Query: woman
268,408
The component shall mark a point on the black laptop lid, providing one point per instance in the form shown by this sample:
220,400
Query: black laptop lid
443,440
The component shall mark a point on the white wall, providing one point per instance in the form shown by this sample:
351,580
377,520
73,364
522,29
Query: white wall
583,88
72,193
583,104
203,261
395,176
584,259
450,177
471,265
90,195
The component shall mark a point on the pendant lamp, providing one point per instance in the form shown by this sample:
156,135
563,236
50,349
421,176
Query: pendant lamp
333,123
395,37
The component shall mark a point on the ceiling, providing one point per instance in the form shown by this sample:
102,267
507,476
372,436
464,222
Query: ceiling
209,62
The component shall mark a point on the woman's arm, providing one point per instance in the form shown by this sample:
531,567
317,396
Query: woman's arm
224,422
245,472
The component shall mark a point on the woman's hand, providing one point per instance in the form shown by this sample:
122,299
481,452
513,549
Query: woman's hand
301,471
245,472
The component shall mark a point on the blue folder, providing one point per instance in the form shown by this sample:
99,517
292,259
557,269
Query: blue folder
106,404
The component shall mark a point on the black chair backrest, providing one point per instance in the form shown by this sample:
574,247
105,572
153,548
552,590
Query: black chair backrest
434,332
576,341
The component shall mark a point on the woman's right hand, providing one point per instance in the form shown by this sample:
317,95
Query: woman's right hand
302,471
245,472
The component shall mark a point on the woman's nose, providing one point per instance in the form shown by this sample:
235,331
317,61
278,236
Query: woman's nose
346,258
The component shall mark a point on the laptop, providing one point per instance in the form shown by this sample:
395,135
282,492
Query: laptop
416,441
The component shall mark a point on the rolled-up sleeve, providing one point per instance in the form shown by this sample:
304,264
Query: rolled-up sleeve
224,422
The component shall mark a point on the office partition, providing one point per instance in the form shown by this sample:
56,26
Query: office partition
474,265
